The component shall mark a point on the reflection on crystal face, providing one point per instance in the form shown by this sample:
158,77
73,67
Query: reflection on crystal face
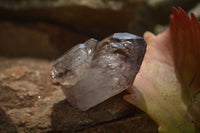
94,71
125,36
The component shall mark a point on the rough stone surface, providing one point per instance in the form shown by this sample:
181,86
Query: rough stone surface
120,126
30,102
93,72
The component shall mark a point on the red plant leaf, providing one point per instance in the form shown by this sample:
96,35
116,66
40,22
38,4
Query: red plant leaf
185,43
185,38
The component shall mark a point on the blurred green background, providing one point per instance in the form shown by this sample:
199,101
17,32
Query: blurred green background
47,28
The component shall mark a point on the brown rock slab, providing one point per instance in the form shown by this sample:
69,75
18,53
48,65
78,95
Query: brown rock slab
6,125
27,95
30,102
47,28
96,17
126,125
38,39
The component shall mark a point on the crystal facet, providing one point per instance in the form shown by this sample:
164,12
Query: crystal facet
94,71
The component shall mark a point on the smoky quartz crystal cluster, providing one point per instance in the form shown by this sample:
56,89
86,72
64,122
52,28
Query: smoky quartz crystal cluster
94,71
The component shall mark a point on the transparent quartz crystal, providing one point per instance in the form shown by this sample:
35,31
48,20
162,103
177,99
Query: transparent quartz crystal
94,71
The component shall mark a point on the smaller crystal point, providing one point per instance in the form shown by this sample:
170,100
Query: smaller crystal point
125,36
94,71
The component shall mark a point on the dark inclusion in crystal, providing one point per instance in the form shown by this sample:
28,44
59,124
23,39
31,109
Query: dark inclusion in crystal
94,71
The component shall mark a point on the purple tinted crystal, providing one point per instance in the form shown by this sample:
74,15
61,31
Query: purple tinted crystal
93,72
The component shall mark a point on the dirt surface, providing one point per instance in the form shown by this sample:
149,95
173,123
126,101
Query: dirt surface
30,102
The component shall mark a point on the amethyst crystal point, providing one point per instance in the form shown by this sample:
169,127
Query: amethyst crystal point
93,72
74,64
